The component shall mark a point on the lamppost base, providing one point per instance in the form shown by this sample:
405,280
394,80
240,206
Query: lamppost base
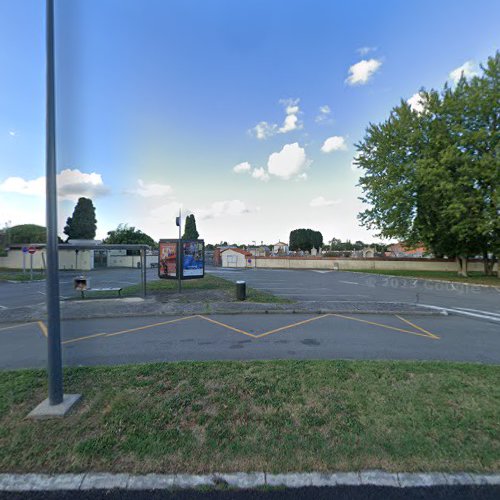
45,410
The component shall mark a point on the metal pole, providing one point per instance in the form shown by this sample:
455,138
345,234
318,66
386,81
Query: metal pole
179,252
143,271
31,266
54,364
24,262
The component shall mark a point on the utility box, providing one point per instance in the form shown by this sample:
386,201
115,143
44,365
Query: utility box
241,290
81,283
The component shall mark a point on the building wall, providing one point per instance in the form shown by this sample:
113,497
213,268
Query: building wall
67,260
234,259
411,264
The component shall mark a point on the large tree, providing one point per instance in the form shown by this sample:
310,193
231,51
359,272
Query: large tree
433,176
26,233
305,239
124,234
82,225
190,231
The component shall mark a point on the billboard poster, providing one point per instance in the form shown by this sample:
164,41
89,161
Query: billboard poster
167,266
193,262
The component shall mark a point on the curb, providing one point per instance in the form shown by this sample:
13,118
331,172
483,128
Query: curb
238,480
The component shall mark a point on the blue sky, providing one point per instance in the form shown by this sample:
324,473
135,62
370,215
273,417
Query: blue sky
159,101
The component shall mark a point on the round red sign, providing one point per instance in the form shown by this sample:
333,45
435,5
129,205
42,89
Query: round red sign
32,250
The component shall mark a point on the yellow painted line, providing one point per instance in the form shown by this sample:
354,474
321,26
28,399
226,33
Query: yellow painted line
417,327
388,327
130,330
293,325
16,326
229,327
145,327
42,327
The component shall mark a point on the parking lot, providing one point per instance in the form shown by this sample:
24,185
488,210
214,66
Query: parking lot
469,332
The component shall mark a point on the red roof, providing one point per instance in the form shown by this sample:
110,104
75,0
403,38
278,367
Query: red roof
239,250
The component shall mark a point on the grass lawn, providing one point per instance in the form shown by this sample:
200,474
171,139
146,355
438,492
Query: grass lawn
209,282
273,416
473,279
13,275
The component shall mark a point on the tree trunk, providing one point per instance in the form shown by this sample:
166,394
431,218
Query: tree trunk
462,266
488,264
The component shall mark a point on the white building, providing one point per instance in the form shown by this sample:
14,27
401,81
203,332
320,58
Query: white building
281,248
236,257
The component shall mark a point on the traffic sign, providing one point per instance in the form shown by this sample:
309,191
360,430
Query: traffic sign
25,249
32,250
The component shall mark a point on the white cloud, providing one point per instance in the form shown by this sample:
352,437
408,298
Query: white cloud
321,201
71,183
242,167
150,190
12,133
334,143
324,114
468,70
260,174
167,211
223,209
361,72
263,129
417,102
289,162
365,50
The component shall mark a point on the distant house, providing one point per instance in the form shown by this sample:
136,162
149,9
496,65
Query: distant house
280,248
236,257
262,251
401,250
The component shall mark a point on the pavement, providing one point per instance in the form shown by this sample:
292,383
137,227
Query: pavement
336,316
352,485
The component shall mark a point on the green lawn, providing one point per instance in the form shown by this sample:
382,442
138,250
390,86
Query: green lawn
473,279
209,282
274,416
13,275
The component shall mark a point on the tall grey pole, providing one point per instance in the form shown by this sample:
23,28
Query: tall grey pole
179,254
53,312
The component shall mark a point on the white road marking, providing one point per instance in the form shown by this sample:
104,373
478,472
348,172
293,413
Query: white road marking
349,282
321,272
463,313
3,307
489,313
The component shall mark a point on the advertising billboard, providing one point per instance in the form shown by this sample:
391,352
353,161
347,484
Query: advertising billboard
193,262
167,265
192,259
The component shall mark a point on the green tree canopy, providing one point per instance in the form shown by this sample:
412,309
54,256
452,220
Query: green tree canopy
434,176
26,233
82,225
190,231
126,235
305,239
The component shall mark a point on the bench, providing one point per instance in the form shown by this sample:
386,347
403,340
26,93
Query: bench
119,290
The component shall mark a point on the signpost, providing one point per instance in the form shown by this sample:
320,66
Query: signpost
25,251
32,251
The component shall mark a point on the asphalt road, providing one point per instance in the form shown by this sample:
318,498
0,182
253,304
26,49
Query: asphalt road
111,341
471,300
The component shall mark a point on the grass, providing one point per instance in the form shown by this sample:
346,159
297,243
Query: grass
275,416
20,276
209,282
475,278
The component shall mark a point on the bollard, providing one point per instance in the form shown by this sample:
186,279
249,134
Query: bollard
241,290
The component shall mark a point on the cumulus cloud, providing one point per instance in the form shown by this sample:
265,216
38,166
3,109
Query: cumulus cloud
290,162
321,201
224,208
260,174
361,72
334,143
242,167
324,114
362,51
72,184
149,190
468,70
263,129
417,102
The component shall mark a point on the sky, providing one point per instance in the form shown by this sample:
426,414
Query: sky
245,113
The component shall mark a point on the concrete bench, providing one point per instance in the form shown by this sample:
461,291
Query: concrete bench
119,290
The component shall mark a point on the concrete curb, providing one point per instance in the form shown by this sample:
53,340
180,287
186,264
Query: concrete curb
239,480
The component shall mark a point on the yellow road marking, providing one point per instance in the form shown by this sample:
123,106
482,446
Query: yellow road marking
42,327
383,326
293,325
16,326
417,327
229,327
130,330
